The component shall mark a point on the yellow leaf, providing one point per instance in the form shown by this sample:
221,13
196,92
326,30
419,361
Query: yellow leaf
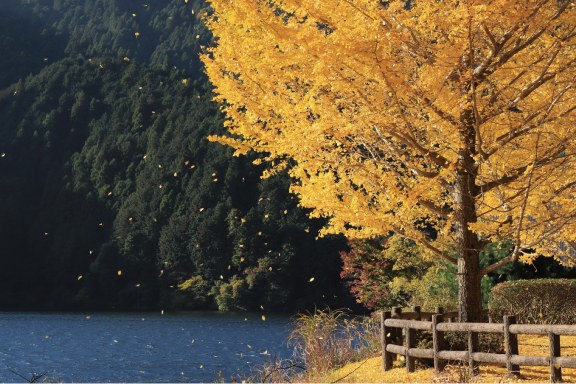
119,273
79,277
311,280
263,317
241,259
88,317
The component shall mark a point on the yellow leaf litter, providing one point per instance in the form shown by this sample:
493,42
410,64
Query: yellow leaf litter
528,345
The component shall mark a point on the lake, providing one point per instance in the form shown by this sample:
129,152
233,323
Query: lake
187,346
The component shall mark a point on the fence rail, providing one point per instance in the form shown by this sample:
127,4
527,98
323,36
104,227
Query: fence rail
393,322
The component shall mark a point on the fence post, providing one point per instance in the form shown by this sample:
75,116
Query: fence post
439,310
438,342
555,370
385,339
410,341
416,308
511,343
396,333
472,347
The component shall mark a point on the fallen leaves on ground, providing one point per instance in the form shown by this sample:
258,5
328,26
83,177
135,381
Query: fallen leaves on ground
528,345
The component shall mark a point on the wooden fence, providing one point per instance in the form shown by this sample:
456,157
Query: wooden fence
393,322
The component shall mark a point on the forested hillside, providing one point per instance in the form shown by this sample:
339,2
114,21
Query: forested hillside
110,194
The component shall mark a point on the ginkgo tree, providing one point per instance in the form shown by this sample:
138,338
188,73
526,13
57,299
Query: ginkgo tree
440,121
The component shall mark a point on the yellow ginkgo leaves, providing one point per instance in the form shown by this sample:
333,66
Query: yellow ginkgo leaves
88,317
201,209
159,165
311,280
184,81
119,273
241,259
259,233
126,59
270,269
137,34
79,277
133,15
175,174
248,345
243,221
241,245
263,318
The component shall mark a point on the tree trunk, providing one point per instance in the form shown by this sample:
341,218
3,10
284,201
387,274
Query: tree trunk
469,289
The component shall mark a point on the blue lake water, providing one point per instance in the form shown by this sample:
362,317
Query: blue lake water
122,347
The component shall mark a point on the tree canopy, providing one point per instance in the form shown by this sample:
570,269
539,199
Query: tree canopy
443,122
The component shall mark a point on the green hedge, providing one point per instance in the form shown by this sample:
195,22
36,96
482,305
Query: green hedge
541,301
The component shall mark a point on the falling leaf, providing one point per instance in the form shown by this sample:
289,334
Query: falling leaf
245,319
266,216
215,179
286,211
182,372
263,318
221,277
153,112
192,167
109,193
228,267
307,230
175,174
186,163
197,36
162,312
184,81
126,59
311,280
79,277
159,166
540,315
87,317
141,371
161,272
243,221
137,285
241,245
201,209
260,200
140,88
160,185
259,233
137,34
101,224
261,307
557,366
45,233
265,352
119,273
248,345
201,366
3,154
270,268
192,341
241,259
133,15
192,11
47,336
143,319
197,245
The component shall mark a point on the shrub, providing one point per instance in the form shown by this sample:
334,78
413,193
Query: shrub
542,301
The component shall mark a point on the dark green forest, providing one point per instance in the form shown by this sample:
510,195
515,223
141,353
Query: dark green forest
110,193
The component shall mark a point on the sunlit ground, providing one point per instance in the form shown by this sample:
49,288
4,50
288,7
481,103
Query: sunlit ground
370,371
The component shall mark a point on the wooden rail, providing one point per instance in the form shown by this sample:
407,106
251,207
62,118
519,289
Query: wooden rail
394,321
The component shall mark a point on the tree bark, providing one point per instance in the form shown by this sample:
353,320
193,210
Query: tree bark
469,289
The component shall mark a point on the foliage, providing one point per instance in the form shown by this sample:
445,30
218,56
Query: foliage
167,30
539,301
430,120
107,168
